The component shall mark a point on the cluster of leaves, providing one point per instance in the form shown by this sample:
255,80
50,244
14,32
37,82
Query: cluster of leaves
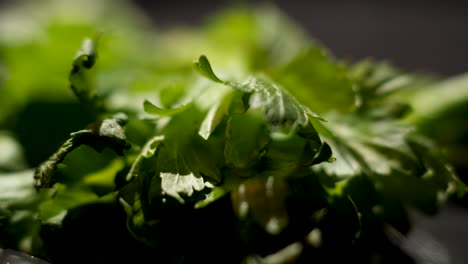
277,153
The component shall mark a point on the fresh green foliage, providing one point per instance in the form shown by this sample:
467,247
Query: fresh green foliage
107,133
309,73
440,111
79,79
269,151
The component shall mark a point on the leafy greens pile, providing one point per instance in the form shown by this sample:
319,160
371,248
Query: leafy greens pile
266,149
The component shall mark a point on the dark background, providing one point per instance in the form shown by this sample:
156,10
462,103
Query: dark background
429,35
417,35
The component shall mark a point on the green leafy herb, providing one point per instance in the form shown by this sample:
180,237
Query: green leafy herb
221,161
108,133
204,68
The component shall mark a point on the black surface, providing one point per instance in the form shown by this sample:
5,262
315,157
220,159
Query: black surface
445,233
